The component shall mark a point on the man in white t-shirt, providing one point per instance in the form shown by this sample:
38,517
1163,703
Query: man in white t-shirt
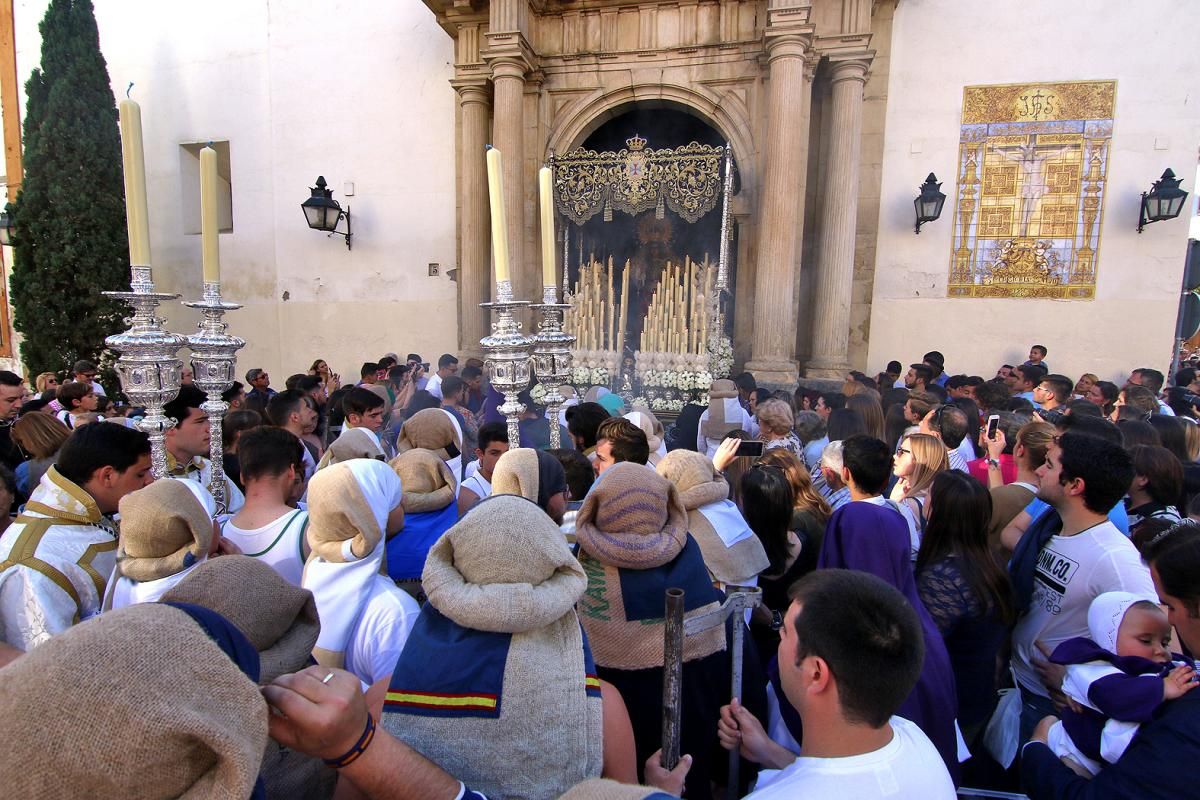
1082,478
269,527
849,654
447,366
493,443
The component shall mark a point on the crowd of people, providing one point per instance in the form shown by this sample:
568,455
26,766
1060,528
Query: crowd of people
973,581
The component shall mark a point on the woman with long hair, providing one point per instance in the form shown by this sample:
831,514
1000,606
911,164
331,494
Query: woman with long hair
920,458
844,423
965,591
867,404
1103,394
329,379
767,506
810,511
39,436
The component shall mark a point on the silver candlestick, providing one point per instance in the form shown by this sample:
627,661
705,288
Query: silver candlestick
507,359
214,356
148,366
552,356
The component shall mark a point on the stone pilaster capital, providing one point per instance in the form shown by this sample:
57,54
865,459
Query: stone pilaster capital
508,54
789,45
850,67
472,90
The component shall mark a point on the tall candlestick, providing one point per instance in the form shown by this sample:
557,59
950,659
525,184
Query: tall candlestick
546,195
210,252
499,222
133,160
620,348
612,333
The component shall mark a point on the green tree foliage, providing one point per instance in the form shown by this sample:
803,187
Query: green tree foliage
69,218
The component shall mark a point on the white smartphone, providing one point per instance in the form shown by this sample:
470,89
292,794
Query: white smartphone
992,424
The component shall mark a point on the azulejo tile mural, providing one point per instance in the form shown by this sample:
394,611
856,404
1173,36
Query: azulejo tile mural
1032,167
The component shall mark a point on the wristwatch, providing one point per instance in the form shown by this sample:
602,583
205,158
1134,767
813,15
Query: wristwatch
994,462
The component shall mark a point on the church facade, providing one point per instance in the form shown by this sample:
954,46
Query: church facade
1042,125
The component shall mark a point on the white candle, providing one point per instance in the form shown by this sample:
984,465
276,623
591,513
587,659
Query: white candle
499,222
210,253
134,162
546,195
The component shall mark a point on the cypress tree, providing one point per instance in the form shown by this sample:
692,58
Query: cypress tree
69,218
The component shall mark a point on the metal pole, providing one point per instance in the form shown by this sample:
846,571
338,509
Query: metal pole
735,757
672,678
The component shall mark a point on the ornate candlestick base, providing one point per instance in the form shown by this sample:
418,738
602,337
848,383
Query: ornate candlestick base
552,357
507,357
148,366
214,356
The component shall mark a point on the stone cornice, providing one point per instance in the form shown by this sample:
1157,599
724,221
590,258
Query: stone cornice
509,50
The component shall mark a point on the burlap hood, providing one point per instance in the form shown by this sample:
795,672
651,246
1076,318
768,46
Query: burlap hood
533,474
353,443
505,568
137,703
695,477
631,519
279,619
431,429
724,412
602,789
166,527
338,512
428,482
722,389
705,495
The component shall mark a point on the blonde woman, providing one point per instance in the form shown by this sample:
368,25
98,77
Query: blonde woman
775,422
809,504
39,436
46,381
918,460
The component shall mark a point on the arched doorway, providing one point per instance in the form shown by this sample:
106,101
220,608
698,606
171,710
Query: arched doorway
651,239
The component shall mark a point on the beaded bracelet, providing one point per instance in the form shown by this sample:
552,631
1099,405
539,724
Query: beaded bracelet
350,756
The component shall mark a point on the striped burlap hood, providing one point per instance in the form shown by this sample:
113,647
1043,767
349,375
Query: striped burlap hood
634,545
732,553
496,683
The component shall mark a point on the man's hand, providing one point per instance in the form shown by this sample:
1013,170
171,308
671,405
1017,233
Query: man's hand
315,718
725,454
1042,732
1050,673
670,781
739,728
1179,682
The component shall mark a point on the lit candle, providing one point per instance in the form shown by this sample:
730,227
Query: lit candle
620,348
210,253
499,222
134,162
546,194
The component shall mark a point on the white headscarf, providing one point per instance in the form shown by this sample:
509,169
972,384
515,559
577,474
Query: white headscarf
648,424
126,592
1105,615
342,589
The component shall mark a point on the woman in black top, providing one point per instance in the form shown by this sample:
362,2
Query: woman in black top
965,591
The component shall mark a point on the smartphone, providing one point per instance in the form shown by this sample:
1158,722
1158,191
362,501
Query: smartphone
992,424
425,366
749,449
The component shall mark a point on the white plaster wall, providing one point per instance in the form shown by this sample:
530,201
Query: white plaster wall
940,46
354,91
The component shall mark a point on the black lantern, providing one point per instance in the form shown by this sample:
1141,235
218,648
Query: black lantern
6,228
1163,201
323,213
929,202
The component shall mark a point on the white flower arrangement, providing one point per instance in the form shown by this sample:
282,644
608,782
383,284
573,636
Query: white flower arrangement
538,393
600,376
580,376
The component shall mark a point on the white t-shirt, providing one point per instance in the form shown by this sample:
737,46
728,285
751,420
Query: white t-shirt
278,544
434,386
478,484
380,633
1071,572
906,767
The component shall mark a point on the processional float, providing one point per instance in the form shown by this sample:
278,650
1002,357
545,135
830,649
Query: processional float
148,364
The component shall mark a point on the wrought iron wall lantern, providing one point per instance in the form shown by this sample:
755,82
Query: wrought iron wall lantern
1163,201
929,202
323,213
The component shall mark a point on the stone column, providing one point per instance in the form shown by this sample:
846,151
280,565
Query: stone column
508,77
838,223
773,346
475,261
